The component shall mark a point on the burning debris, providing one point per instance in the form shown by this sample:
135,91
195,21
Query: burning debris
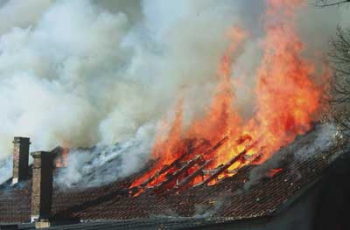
274,172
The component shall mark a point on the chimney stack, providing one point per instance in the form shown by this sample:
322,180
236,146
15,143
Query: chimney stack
42,186
20,159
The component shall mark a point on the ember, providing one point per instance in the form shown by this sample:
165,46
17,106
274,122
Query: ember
274,172
62,159
287,101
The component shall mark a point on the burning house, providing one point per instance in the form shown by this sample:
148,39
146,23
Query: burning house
260,153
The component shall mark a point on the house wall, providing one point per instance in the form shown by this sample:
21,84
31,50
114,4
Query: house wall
332,211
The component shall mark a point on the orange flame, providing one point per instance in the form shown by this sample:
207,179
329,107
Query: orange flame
287,100
62,159
274,172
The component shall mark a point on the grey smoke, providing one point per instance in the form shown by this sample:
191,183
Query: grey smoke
322,139
106,163
82,73
208,210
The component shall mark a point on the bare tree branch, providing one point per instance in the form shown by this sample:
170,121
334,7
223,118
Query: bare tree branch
324,3
340,84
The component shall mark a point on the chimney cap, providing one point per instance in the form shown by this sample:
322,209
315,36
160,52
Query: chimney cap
39,154
19,139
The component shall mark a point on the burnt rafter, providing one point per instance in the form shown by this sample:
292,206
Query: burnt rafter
199,160
225,167
171,177
164,170
180,161
177,162
191,177
217,146
240,157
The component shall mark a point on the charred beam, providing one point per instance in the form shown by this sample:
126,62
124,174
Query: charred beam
239,157
172,177
191,163
178,160
163,170
198,172
218,145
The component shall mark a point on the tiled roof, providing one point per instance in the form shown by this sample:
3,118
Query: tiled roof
15,202
239,197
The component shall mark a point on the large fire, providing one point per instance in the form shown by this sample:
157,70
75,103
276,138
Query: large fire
220,143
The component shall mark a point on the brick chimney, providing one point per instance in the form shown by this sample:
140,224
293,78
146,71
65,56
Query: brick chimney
42,185
20,159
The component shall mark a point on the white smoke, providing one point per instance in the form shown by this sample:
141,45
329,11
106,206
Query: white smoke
18,13
208,210
106,163
79,73
5,169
